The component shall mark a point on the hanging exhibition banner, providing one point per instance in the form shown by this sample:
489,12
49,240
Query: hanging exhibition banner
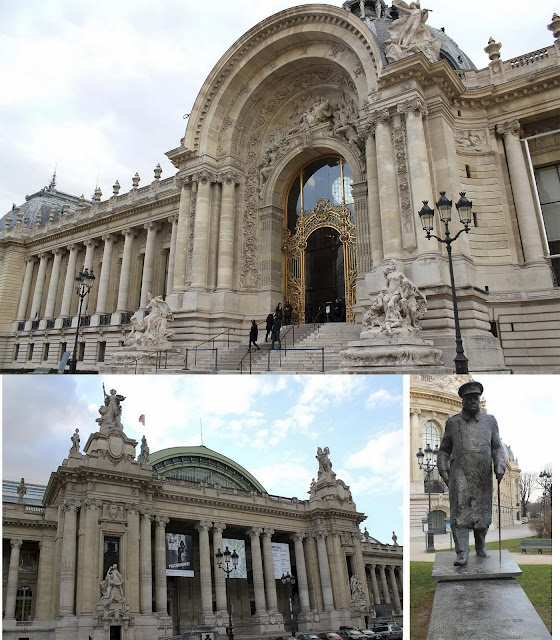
239,546
178,555
281,559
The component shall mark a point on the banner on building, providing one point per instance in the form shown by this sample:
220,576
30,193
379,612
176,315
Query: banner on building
178,555
239,546
281,559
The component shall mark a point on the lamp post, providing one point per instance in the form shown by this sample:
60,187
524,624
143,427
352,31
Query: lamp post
546,484
84,282
428,466
464,209
290,581
227,562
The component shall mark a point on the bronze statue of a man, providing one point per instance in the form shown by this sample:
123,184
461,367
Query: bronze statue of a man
470,444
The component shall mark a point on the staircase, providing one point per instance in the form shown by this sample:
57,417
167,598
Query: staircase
291,358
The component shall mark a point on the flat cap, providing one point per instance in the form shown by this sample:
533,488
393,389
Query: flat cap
470,387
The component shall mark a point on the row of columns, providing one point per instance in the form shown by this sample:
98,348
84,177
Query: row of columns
109,240
384,597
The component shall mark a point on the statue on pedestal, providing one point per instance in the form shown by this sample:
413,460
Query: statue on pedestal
150,330
409,35
75,442
112,586
144,451
111,411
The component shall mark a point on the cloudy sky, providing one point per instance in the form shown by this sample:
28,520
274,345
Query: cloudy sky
271,425
99,89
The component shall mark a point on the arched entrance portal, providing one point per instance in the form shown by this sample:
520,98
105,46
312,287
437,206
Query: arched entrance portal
319,244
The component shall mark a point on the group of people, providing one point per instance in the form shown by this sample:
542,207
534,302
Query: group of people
274,322
328,312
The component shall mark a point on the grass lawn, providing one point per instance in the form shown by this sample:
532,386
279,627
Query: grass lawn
536,581
513,545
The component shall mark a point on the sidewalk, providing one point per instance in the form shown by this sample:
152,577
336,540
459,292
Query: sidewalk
418,545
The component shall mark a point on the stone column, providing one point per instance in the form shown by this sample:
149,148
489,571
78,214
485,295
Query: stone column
68,566
148,271
69,280
205,570
124,281
301,572
395,590
269,580
182,241
146,563
201,227
11,590
133,558
43,609
227,230
384,586
418,166
326,585
26,288
172,252
160,566
399,571
258,580
53,284
374,211
89,555
373,575
522,193
388,192
219,575
104,276
38,293
338,569
90,244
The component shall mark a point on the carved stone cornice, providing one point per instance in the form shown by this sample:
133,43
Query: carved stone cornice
510,127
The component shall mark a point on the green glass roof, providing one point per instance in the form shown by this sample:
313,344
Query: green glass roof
200,464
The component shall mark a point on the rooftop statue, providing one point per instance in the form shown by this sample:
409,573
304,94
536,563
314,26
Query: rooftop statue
409,34
110,411
144,451
325,465
469,451
150,330
75,442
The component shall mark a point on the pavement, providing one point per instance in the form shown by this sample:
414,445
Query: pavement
444,541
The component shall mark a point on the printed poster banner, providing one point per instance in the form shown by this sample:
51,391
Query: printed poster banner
178,555
239,546
281,559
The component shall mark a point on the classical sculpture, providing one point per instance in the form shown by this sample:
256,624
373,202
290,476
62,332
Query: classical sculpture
144,451
470,447
150,330
356,589
112,586
409,35
398,307
110,411
75,442
323,457
394,538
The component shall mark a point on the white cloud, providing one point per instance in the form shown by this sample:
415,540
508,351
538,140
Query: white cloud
382,398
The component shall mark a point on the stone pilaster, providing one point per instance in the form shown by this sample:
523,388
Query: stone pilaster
69,280
182,240
132,574
160,566
522,193
301,573
148,272
219,575
205,570
43,607
326,585
258,580
269,580
199,265
172,253
363,251
146,562
68,565
227,232
106,268
339,572
374,211
88,571
53,284
124,281
39,284
26,288
11,590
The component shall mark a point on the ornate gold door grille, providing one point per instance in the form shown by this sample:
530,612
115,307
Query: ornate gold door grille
324,214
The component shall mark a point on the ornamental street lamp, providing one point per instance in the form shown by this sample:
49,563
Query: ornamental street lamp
290,581
464,209
84,282
428,466
227,562
546,484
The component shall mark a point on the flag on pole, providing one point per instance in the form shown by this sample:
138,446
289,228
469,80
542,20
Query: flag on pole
142,419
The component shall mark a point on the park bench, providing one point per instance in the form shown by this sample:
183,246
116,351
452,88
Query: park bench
539,544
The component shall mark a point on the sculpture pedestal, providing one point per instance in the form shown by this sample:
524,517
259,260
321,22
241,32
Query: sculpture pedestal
482,600
391,354
143,359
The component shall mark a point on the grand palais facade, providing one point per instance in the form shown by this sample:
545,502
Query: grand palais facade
434,399
121,544
307,156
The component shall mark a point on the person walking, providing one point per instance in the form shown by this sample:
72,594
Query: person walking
253,335
269,323
288,313
276,331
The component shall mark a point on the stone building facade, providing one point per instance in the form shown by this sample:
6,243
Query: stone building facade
308,153
107,509
432,401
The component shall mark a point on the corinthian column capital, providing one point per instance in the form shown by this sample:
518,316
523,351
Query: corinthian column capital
414,106
511,127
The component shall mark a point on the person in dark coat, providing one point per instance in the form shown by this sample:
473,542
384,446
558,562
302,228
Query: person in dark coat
253,335
269,323
308,313
278,311
288,313
276,331
336,310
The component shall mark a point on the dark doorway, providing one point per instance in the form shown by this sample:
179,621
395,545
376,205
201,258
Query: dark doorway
115,633
324,271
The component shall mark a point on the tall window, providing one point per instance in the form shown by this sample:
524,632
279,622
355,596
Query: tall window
548,184
24,599
110,553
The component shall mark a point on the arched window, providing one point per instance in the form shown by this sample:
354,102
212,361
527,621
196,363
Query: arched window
432,437
24,598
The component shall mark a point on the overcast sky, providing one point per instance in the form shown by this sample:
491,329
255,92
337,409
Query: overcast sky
99,89
271,425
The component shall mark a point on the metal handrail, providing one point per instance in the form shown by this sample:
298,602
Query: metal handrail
226,331
196,350
158,358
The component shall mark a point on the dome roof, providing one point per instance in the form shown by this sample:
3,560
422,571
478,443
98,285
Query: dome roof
200,464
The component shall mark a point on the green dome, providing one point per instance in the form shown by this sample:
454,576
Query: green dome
200,464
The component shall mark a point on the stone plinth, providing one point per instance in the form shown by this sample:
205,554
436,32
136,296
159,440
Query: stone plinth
142,359
387,354
482,600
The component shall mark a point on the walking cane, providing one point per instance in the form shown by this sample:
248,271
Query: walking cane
499,523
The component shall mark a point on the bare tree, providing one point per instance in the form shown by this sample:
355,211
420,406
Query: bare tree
527,484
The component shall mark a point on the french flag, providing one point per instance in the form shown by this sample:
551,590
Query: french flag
142,419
